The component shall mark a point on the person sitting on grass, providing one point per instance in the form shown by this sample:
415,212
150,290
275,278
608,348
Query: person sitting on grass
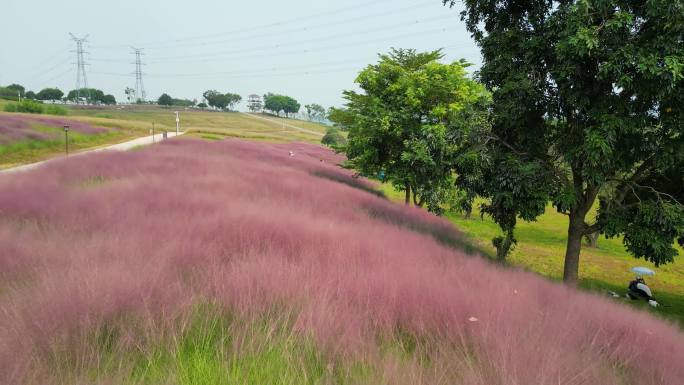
639,290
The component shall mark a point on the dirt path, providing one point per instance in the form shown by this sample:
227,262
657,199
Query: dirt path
114,147
282,124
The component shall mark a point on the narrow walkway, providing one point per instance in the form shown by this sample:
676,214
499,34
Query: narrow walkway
114,147
282,124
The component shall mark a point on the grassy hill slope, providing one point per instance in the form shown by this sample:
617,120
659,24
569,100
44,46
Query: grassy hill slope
232,262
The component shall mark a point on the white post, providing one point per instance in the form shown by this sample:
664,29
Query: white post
177,123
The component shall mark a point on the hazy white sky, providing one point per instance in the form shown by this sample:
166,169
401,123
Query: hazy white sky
311,50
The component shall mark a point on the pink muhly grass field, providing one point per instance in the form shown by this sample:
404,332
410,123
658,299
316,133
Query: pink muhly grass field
138,238
16,127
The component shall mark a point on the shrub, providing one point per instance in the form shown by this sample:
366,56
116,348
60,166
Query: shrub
33,107
56,110
26,106
334,138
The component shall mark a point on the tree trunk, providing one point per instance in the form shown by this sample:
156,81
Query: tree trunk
503,246
468,213
408,194
573,248
592,239
416,202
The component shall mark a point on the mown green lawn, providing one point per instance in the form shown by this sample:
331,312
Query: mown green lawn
541,248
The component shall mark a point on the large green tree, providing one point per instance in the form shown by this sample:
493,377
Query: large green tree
411,122
588,100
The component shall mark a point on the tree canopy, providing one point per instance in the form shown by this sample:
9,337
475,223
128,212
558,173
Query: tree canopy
16,88
281,103
412,122
165,100
587,106
50,94
221,101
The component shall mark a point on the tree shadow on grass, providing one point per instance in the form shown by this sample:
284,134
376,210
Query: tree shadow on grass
348,180
443,233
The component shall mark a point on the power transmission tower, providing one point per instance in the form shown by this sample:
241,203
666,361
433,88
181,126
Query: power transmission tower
81,78
139,86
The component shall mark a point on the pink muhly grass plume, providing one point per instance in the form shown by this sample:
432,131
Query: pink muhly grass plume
147,234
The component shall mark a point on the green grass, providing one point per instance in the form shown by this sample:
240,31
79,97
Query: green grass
208,347
313,126
28,151
541,249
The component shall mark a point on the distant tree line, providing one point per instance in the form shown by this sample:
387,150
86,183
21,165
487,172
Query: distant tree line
87,95
166,100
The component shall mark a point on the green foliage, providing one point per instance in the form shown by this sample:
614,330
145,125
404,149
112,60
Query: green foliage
33,107
277,103
413,122
587,105
202,105
9,94
221,101
31,95
26,106
50,94
165,100
341,118
17,88
334,138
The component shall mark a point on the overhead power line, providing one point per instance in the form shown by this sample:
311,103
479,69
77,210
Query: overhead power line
270,52
308,28
307,41
334,66
260,27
